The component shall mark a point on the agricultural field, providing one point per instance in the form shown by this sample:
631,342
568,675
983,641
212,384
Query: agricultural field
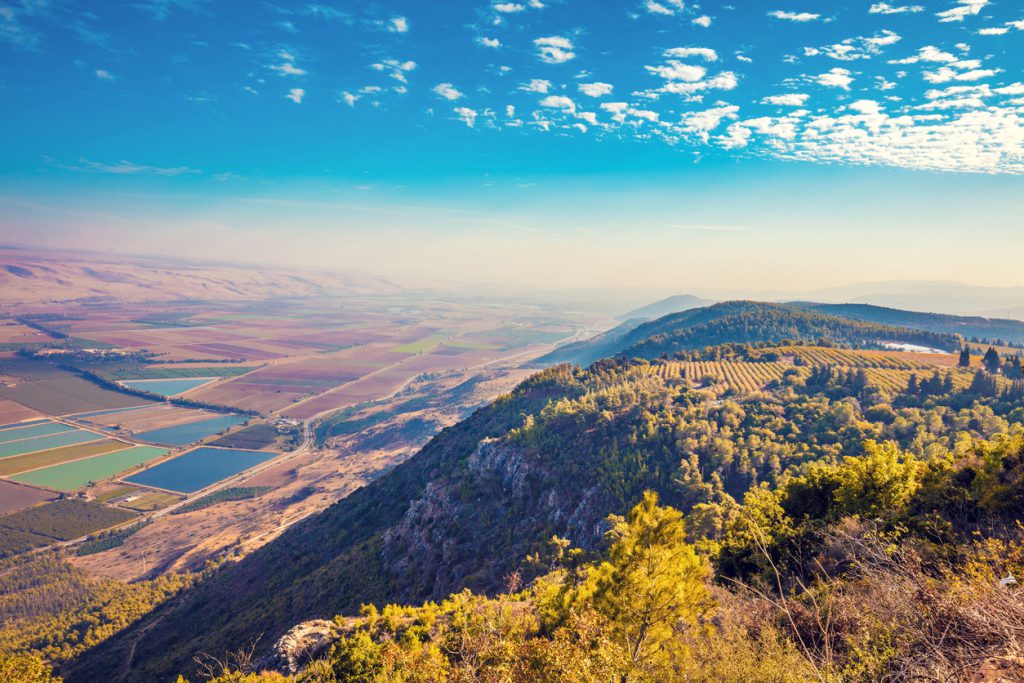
50,390
20,433
15,497
279,355
255,437
12,413
148,502
75,475
61,520
199,468
151,417
847,358
743,377
888,370
179,371
167,387
65,437
56,456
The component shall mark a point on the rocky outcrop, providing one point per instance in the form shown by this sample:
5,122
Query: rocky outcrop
302,644
473,529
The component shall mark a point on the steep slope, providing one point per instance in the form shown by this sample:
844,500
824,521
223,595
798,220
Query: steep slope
330,563
986,329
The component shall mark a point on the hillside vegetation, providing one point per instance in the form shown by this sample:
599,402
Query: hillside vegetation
570,446
746,322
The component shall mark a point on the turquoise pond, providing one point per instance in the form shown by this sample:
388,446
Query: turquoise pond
45,443
45,429
167,387
185,434
198,469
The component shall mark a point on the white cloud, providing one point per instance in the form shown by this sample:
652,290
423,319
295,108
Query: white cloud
964,8
288,69
928,53
666,7
882,8
488,42
447,91
861,47
509,7
559,102
794,16
349,99
596,89
554,49
944,74
835,78
104,75
398,25
296,95
703,20
466,115
536,85
997,31
705,53
677,71
703,122
787,100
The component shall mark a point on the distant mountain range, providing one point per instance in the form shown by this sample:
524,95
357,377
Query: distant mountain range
672,304
940,297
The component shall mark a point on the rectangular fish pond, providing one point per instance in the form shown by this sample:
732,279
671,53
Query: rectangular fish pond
199,468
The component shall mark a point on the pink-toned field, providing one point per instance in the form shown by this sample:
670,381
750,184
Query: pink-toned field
153,417
16,496
11,412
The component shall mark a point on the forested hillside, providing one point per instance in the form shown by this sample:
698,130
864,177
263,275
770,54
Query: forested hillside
745,322
567,448
753,322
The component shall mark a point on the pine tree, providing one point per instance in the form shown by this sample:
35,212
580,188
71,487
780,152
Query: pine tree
965,357
991,360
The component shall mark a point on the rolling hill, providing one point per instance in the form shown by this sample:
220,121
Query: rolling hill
667,306
741,322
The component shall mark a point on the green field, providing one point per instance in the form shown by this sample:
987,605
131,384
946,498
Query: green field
75,475
152,501
23,463
147,372
422,345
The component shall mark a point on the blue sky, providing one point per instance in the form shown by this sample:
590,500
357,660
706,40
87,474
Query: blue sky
653,142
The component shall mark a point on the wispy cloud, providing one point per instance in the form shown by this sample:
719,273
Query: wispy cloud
296,95
123,167
964,8
161,9
883,8
104,75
